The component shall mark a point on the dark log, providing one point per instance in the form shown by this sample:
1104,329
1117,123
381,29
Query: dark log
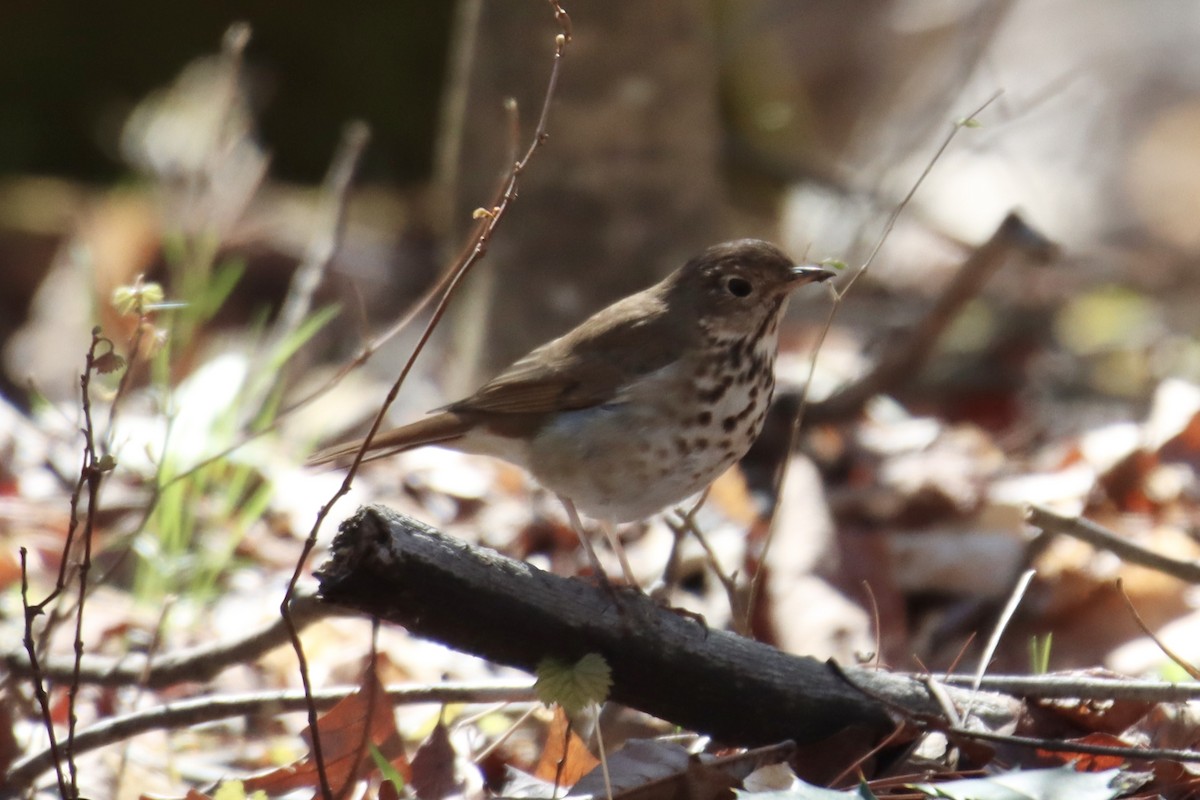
733,689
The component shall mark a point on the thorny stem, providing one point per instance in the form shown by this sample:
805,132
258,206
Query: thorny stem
92,473
39,686
58,613
794,433
482,236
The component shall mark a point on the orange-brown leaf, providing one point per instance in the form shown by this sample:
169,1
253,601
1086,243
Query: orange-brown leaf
363,718
563,746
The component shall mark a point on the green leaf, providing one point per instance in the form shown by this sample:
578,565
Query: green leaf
573,686
137,298
307,329
1039,653
224,280
386,768
833,263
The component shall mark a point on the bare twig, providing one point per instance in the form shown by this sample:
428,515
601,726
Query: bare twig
989,650
687,524
884,743
92,473
794,434
1130,753
330,227
930,722
199,710
39,685
1182,662
876,624
1097,536
192,664
1085,687
488,220
955,127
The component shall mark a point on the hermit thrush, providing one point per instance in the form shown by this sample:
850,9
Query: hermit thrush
646,402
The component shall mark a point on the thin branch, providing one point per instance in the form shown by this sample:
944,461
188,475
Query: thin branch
1179,660
199,710
489,219
330,229
993,642
39,685
687,524
1130,753
934,723
92,473
794,433
1083,687
192,664
955,127
1097,536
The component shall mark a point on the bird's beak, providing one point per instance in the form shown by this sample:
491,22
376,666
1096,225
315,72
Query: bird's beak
810,273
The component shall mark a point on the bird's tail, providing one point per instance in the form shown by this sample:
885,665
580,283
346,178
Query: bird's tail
441,428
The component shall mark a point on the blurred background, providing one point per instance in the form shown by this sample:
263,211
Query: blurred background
676,125
155,140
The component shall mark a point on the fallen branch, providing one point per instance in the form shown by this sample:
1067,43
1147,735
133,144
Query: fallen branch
201,663
1082,687
1097,536
200,710
734,689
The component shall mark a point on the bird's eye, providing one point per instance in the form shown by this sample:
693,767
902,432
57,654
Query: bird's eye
738,287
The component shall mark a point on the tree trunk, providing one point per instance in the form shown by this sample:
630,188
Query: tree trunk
626,187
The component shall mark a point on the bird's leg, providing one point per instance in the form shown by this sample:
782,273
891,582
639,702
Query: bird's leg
670,576
610,532
577,524
686,524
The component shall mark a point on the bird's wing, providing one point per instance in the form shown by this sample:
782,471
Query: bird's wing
588,366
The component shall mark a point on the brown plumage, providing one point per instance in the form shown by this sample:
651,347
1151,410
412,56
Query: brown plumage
645,402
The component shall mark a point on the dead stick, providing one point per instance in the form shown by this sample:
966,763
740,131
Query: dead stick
1083,687
734,689
1097,536
199,710
198,664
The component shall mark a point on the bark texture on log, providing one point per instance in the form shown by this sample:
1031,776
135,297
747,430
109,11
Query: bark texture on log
734,689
